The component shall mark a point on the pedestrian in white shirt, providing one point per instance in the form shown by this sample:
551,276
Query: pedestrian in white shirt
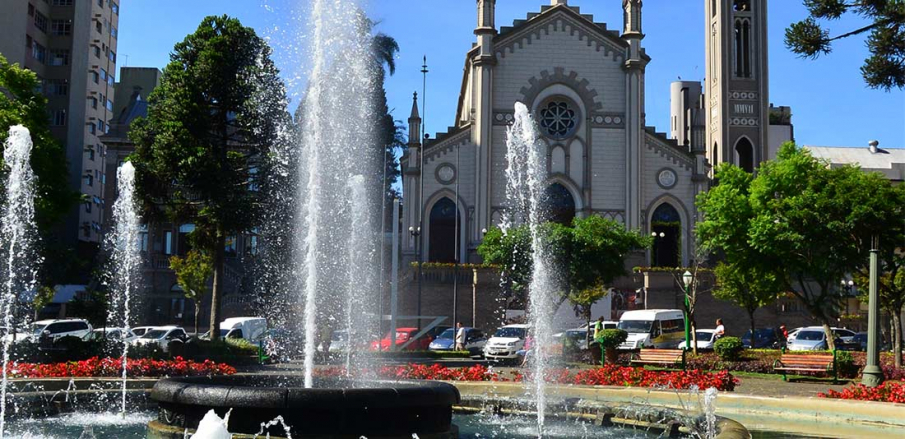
720,329
460,337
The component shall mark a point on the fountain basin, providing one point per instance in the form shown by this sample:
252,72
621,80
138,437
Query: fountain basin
333,407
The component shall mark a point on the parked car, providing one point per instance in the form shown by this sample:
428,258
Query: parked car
446,341
764,338
56,329
580,334
111,334
813,338
705,339
163,336
506,342
403,335
657,328
859,343
141,330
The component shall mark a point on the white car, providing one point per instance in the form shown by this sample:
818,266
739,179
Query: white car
112,334
141,330
813,338
506,342
163,336
705,339
59,328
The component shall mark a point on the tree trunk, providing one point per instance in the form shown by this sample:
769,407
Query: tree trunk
217,290
587,316
694,338
751,318
197,313
830,337
897,339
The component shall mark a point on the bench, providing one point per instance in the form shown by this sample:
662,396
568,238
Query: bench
669,358
825,364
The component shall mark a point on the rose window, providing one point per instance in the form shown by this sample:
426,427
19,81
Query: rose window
558,119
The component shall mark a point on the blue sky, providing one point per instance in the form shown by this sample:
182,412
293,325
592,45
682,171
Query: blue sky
831,106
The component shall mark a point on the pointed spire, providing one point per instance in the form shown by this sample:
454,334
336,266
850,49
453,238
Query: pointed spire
415,114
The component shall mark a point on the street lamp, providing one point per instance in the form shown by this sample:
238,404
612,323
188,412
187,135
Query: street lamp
872,376
687,278
416,232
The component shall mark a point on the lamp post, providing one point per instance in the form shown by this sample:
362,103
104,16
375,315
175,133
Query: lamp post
873,375
687,278
416,232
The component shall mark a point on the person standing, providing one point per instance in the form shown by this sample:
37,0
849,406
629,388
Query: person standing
720,329
460,337
598,327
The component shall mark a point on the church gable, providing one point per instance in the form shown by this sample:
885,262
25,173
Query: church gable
559,18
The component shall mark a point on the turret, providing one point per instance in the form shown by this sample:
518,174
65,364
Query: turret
414,124
486,28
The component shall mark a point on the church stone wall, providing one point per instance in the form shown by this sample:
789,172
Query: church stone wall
608,169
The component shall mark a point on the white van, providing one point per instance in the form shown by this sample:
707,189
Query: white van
248,328
653,328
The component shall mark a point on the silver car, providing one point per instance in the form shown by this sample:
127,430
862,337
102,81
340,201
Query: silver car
813,338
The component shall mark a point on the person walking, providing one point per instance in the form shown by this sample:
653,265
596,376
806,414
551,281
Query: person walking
720,329
460,337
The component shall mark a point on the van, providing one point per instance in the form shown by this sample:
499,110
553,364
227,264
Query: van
59,328
653,328
248,328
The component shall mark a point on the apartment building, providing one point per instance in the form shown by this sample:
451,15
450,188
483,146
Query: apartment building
71,45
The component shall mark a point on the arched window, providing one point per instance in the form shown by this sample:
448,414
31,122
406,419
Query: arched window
443,231
744,153
560,205
558,118
183,244
666,227
743,48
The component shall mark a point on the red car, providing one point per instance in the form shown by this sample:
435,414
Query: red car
403,335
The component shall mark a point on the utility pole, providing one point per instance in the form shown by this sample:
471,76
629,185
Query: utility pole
420,243
455,313
394,290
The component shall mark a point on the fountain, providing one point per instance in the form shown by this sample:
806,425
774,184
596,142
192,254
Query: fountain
17,240
526,175
125,258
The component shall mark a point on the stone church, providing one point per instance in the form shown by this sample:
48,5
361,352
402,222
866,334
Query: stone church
585,85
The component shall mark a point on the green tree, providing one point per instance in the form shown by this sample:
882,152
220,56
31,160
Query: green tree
890,289
91,306
816,222
192,273
43,297
592,253
211,124
21,103
744,275
885,67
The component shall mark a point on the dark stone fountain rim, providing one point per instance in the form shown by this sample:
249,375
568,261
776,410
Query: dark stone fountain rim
286,392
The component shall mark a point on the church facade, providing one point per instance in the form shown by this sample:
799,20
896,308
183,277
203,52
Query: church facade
585,86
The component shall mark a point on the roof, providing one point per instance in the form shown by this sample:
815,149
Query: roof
890,162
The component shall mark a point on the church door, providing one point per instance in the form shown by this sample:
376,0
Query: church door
666,226
442,239
560,204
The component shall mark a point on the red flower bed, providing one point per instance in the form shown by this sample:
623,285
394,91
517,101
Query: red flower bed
889,391
113,367
612,375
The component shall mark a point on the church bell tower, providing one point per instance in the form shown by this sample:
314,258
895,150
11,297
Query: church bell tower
737,99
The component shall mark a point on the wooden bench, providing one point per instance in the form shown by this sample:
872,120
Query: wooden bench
661,357
825,364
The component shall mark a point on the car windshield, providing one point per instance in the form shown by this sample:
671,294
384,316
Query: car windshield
39,329
338,336
810,335
449,333
703,335
510,333
155,333
635,326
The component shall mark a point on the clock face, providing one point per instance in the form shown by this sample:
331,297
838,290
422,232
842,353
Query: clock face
667,178
446,173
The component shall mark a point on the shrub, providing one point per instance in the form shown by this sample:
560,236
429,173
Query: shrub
612,338
890,391
728,348
845,364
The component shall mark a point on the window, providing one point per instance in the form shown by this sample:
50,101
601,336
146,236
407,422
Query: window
56,87
109,105
742,5
94,77
101,126
100,3
93,103
110,79
168,243
40,22
92,128
113,32
114,7
103,75
97,51
89,180
91,154
230,247
31,10
59,118
143,237
38,52
61,27
99,27
558,119
59,57
111,55
62,2
87,207
743,48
